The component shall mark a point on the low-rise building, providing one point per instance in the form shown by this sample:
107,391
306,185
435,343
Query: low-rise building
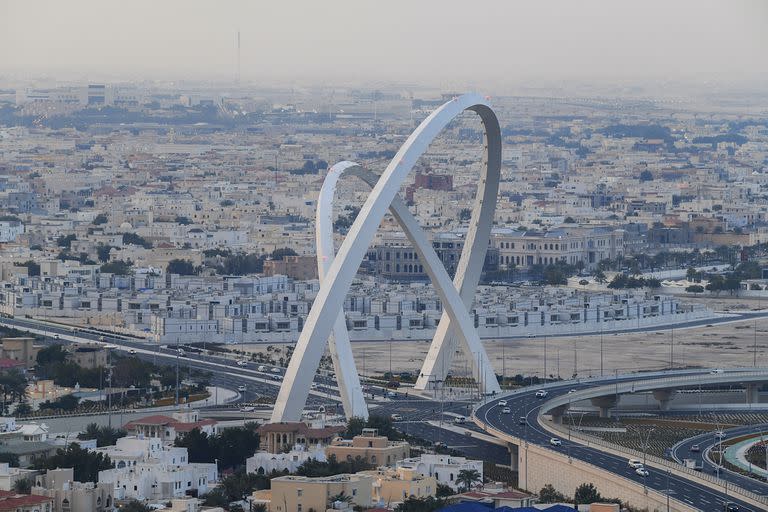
371,447
145,468
71,496
167,428
277,437
302,494
11,501
9,476
391,486
444,468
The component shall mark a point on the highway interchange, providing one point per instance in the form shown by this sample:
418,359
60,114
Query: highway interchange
416,412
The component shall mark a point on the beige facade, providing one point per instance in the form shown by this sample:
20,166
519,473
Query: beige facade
304,494
279,437
71,496
88,355
371,447
396,485
20,349
295,267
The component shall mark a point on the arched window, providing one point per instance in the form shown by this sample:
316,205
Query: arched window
373,459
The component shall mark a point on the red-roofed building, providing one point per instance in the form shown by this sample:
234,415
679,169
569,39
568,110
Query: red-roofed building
497,497
11,501
168,427
277,437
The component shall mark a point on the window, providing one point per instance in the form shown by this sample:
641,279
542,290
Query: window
299,492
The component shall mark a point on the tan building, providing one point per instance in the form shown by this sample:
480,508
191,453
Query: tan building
279,437
88,355
11,501
371,447
302,494
20,349
395,485
71,496
296,267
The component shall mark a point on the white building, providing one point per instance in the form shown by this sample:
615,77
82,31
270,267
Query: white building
444,468
145,469
10,230
264,462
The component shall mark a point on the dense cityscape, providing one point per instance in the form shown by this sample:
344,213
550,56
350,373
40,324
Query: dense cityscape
558,305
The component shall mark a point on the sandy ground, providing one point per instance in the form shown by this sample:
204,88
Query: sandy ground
722,345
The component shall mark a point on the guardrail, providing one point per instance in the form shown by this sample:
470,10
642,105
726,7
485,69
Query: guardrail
659,462
520,442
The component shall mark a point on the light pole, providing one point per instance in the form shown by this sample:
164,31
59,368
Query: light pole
545,357
645,450
601,349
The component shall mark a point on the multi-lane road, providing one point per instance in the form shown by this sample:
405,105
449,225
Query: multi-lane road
523,421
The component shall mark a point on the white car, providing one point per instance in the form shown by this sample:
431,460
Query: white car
541,394
275,370
314,385
396,417
55,336
132,351
241,388
262,368
635,463
502,403
460,419
242,362
555,442
720,434
571,391
716,371
506,410
642,471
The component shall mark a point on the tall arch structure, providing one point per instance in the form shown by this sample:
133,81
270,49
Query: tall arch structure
337,276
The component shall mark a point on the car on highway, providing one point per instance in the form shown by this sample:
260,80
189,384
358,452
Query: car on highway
635,463
241,388
132,351
571,391
506,410
275,377
555,442
247,408
262,368
313,385
242,362
391,394
460,419
56,336
541,394
716,371
101,338
276,370
522,420
181,352
396,417
642,471
440,444
502,403
731,507
720,434
695,448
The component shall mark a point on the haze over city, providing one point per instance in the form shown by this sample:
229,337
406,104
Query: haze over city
402,256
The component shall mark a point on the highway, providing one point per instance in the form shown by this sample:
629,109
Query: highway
416,412
526,405
682,450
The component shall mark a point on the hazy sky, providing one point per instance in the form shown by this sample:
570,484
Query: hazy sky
416,41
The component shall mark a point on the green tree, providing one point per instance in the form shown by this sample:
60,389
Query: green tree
465,214
23,486
104,436
86,464
279,254
10,458
548,494
600,276
414,504
467,478
181,267
586,494
100,219
33,269
444,490
134,239
23,409
51,354
102,252
646,175
117,267
66,241
184,221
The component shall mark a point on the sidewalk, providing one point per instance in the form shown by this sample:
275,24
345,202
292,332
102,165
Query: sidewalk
737,455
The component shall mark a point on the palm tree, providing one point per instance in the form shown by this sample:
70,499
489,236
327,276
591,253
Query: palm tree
467,478
342,496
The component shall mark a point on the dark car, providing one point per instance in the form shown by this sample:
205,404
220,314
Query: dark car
731,507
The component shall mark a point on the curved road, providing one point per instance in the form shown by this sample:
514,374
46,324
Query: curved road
523,422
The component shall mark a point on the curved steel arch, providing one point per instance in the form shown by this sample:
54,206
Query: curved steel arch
341,271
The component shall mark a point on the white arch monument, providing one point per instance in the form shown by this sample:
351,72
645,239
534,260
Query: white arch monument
326,321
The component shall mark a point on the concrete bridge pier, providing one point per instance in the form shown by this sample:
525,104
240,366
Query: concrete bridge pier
751,393
557,414
514,456
663,396
605,404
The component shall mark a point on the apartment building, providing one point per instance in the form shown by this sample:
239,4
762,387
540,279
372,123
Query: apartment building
370,447
302,494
